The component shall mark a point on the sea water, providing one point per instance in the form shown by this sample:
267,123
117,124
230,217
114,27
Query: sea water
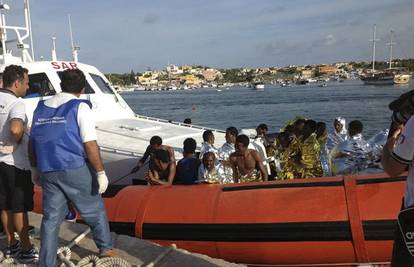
246,108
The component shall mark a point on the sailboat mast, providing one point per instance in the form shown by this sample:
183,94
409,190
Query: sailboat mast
374,35
391,43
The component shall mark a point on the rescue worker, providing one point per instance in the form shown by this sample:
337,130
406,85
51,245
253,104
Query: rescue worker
66,158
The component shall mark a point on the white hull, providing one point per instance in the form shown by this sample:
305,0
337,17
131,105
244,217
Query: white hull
123,142
402,78
259,87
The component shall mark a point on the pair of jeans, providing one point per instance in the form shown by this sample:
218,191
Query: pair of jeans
79,187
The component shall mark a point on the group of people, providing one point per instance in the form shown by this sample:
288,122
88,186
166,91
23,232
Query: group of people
304,149
234,161
60,153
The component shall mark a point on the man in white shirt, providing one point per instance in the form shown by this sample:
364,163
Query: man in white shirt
65,152
226,150
208,144
16,188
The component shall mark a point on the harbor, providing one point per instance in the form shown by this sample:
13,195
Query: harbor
245,108
214,163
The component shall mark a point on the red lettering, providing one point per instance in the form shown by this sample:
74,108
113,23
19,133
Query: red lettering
65,66
73,65
55,65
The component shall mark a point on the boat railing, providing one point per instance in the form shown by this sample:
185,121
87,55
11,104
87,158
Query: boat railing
120,151
178,123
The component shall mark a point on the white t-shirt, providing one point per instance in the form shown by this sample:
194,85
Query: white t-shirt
404,153
11,153
206,147
85,119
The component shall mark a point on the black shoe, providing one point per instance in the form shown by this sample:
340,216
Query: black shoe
13,250
30,256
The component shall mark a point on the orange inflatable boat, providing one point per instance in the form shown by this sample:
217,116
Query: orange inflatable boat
338,220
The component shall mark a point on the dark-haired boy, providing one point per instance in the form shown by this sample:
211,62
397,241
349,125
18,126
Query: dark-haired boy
163,171
187,167
155,143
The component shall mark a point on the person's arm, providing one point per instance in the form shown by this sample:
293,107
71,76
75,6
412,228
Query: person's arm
392,164
154,178
16,129
33,163
32,155
233,162
171,172
17,116
142,160
93,155
259,163
171,154
88,136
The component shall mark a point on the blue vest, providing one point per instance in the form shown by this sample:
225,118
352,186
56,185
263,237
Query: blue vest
56,138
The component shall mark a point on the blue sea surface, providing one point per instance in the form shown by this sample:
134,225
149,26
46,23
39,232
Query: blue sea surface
246,108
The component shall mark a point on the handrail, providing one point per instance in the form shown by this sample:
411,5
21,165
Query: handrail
178,123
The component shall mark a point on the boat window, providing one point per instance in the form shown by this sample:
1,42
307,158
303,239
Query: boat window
101,84
88,87
39,85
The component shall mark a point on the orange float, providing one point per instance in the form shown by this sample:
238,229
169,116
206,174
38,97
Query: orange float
336,220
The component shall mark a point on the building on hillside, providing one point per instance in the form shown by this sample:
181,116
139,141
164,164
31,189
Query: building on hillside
307,73
192,80
148,78
187,68
174,70
326,70
211,74
273,71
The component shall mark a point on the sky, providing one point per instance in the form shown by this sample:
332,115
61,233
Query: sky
124,35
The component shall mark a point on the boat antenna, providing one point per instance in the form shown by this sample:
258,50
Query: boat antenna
3,31
391,43
373,40
54,57
75,49
30,28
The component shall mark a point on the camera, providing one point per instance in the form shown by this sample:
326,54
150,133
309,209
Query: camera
403,108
